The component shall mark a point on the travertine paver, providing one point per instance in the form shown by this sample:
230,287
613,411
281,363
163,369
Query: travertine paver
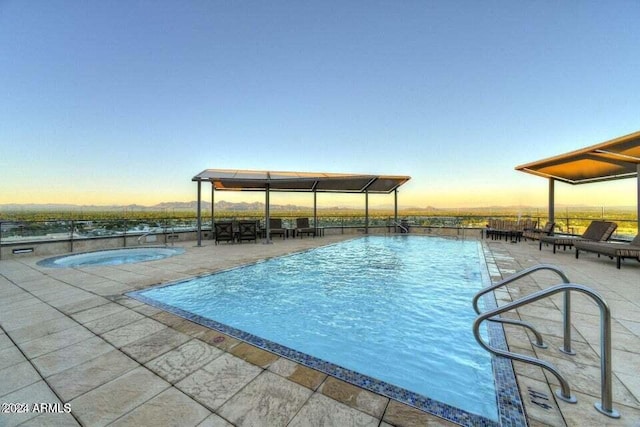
107,288
132,332
51,420
218,339
297,373
75,354
31,394
216,382
42,329
583,413
169,408
10,356
63,294
113,321
16,377
403,415
583,378
254,355
90,301
184,360
5,341
118,397
631,382
55,341
95,313
268,400
80,379
353,396
323,411
23,301
215,421
12,320
154,345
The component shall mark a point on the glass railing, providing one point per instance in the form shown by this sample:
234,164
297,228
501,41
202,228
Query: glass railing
65,229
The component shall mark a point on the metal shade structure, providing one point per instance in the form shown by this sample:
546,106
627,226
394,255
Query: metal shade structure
615,159
267,181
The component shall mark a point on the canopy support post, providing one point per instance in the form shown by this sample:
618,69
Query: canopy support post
267,219
199,213
638,198
315,210
213,209
366,212
552,215
395,210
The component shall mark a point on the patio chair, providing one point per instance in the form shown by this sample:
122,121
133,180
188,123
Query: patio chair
536,233
224,231
618,251
598,231
275,227
302,227
247,230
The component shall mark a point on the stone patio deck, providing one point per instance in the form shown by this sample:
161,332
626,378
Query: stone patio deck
70,336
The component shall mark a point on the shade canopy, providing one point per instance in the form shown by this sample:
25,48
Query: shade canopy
615,159
251,180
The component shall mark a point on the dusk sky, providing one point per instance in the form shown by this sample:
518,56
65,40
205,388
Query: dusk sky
118,102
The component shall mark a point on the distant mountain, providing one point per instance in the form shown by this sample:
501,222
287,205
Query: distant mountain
178,206
259,206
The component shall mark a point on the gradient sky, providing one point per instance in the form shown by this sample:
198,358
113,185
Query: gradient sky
116,102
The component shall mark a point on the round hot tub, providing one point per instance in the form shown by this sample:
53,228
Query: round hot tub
110,257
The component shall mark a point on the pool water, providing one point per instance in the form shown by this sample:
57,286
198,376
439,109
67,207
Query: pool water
397,309
110,257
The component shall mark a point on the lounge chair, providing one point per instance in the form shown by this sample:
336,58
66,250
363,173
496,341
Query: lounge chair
598,231
247,230
494,228
611,249
302,227
536,233
224,231
510,230
275,227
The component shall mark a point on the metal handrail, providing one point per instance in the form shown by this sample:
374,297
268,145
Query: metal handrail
515,277
567,305
605,405
400,226
145,235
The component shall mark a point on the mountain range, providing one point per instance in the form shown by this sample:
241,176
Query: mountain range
257,206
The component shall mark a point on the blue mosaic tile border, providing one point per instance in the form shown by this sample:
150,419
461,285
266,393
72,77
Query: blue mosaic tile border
510,409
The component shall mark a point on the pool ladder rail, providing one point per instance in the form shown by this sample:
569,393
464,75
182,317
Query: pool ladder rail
605,405
401,226
155,231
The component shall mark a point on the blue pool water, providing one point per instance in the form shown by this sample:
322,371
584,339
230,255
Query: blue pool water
110,257
397,309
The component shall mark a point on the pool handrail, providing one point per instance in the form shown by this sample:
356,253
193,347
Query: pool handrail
605,406
566,312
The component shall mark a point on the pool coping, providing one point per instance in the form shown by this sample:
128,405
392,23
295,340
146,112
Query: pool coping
508,400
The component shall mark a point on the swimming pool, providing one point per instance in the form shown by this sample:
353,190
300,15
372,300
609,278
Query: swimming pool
391,314
110,257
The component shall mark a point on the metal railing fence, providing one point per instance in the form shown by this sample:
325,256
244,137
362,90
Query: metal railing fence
73,229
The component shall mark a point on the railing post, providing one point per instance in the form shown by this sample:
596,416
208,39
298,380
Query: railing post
71,238
605,405
566,320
